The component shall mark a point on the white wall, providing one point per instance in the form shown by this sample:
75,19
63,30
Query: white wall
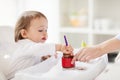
7,12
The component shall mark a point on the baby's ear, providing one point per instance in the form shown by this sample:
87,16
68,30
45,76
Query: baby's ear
23,33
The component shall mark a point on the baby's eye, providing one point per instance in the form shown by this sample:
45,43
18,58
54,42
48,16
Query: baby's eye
40,30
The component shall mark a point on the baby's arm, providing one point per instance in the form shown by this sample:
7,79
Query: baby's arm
59,47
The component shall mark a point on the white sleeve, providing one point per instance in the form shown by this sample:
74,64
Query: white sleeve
43,49
36,49
28,48
118,36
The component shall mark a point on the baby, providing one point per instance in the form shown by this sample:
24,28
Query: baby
30,37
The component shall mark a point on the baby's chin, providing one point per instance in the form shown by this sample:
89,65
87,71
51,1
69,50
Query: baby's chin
42,41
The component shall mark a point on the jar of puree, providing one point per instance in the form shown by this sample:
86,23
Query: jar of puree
66,61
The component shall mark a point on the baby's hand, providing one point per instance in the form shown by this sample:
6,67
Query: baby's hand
43,58
67,49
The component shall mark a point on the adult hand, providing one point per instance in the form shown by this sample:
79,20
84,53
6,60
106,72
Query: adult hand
86,54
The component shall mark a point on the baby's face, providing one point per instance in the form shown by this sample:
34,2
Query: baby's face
38,30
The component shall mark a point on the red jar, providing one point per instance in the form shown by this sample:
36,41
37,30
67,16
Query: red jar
66,61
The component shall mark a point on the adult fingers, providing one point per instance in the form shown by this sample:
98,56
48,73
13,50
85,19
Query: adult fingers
81,54
75,58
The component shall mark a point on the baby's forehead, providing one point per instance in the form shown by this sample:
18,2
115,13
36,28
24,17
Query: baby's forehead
42,27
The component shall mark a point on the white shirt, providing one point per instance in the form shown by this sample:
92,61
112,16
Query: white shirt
118,36
27,54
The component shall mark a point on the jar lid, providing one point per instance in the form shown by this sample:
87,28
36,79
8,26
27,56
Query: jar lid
67,55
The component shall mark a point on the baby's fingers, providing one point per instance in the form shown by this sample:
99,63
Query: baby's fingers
70,48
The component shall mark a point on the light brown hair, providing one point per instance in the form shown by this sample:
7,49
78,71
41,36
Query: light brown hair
24,22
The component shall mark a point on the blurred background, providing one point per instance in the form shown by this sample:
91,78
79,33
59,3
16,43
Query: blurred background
93,21
90,20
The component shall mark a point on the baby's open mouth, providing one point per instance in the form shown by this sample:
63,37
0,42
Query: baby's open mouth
43,38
